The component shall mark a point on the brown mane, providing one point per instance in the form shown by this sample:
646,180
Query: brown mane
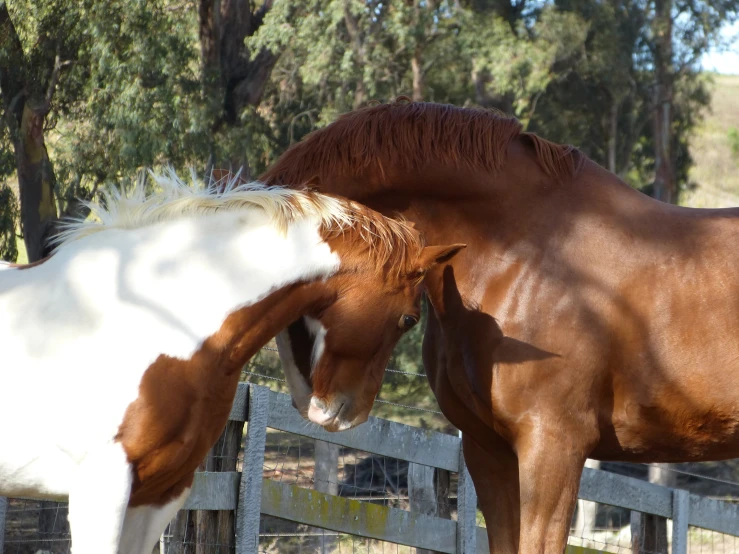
411,135
392,244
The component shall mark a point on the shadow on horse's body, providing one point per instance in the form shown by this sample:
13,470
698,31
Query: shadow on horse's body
137,329
585,319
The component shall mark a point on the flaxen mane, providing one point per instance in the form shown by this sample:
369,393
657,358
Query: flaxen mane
393,245
412,134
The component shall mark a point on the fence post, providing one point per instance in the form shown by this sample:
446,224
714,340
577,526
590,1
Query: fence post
442,484
648,533
250,488
3,511
326,470
421,493
326,480
680,515
650,529
587,512
466,510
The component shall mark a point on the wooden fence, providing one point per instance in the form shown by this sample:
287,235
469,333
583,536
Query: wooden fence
250,495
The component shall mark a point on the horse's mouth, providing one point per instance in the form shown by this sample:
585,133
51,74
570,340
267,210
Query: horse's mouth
330,417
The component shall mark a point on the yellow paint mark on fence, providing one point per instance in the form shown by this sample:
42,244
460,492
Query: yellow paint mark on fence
571,549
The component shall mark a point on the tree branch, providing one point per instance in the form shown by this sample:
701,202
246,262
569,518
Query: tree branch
10,110
58,65
13,62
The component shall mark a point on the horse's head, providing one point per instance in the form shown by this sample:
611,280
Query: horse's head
334,357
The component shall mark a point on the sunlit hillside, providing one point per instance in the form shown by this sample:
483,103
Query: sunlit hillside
716,170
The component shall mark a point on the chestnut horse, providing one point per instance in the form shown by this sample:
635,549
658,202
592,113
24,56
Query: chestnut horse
135,331
584,320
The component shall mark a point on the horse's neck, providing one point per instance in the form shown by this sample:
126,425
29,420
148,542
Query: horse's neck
175,282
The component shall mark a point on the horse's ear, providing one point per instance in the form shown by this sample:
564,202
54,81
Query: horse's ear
434,255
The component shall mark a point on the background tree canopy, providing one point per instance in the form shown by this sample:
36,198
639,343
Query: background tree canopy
92,92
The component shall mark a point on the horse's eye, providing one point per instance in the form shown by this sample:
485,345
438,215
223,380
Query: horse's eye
407,321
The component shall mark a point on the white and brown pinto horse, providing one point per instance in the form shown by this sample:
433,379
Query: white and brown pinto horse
122,352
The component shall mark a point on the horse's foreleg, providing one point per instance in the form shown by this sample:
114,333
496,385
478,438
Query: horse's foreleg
144,525
550,465
97,500
496,482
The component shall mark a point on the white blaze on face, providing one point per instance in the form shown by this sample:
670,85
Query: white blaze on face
314,409
318,332
299,389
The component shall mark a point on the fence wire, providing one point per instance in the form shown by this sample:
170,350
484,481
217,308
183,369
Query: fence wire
357,475
34,527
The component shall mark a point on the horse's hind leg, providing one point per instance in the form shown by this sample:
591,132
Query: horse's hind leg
97,500
494,472
144,525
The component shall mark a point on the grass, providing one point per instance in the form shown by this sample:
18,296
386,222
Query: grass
22,254
716,169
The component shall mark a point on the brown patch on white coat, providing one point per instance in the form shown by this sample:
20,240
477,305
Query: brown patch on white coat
183,405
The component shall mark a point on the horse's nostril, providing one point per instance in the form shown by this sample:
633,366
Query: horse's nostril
319,404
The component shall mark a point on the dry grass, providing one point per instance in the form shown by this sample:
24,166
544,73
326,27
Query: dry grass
716,171
618,541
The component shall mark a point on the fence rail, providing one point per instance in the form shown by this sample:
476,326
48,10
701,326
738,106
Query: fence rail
264,409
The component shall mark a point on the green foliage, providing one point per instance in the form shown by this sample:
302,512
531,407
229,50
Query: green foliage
134,93
523,64
130,95
8,222
338,54
138,103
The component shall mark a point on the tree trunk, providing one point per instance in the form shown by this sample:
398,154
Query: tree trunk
612,142
360,95
25,107
665,185
358,49
229,75
36,184
417,67
485,95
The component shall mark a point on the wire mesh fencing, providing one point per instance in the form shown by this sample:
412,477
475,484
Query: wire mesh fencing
613,532
352,474
34,527
618,530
